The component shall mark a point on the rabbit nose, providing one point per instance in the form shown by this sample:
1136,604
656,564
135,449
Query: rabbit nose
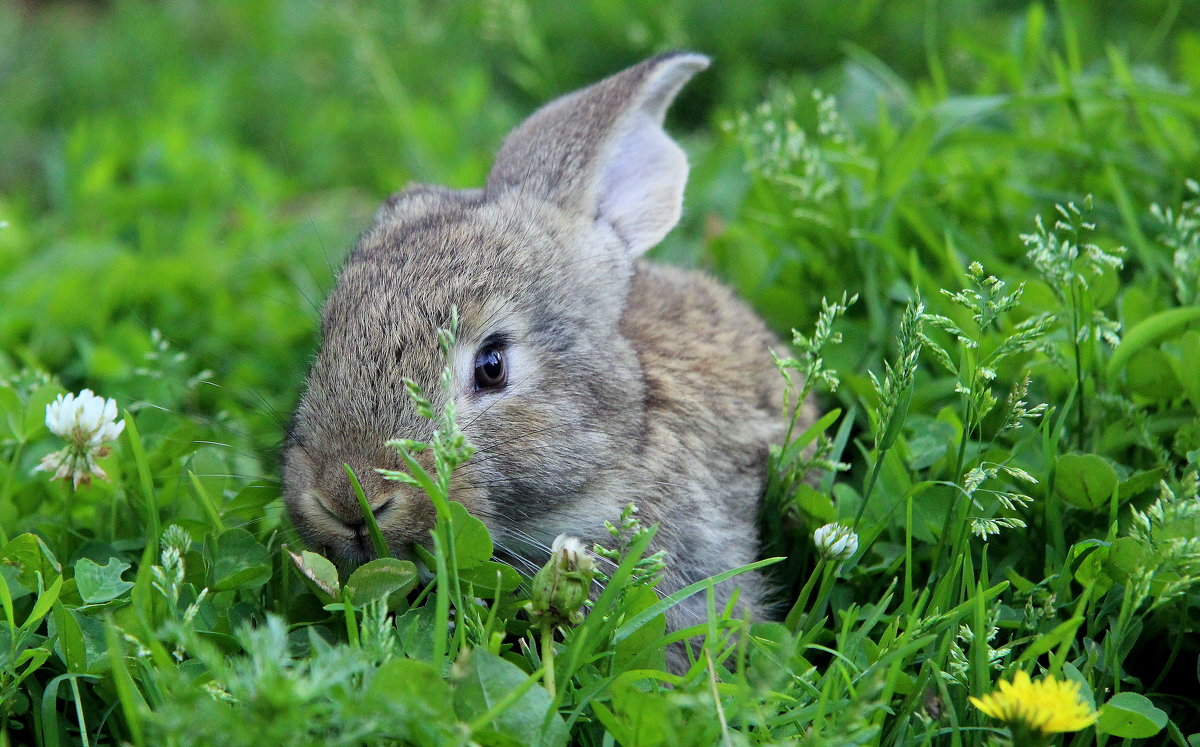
359,523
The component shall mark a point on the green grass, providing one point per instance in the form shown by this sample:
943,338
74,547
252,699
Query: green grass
179,181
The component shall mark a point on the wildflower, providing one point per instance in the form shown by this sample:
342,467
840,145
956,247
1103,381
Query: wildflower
836,542
89,424
1033,710
561,587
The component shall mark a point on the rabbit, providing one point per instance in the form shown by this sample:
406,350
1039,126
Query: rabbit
586,376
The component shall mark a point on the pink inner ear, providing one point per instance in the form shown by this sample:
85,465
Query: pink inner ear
641,185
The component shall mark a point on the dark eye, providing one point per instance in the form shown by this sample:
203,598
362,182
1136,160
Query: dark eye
491,372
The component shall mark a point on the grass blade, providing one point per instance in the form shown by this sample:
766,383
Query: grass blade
377,541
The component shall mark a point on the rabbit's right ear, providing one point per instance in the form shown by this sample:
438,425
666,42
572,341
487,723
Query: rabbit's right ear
602,151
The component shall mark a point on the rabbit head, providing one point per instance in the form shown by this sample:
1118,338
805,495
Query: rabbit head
538,264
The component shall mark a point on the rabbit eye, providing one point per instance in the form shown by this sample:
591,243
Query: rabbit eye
490,369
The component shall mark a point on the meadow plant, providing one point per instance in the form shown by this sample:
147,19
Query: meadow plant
1181,233
1166,529
1068,260
990,531
800,453
894,393
627,532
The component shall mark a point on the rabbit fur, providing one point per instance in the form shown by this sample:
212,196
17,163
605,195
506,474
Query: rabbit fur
627,380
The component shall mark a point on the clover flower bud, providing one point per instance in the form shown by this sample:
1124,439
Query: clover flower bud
561,587
836,542
89,424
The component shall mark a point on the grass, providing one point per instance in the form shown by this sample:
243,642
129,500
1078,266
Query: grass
1014,414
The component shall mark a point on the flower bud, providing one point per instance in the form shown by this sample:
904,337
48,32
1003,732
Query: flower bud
561,587
836,542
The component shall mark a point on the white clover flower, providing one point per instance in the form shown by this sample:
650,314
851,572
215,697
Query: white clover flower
836,542
89,424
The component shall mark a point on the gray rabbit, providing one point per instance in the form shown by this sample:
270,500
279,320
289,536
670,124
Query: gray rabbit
586,376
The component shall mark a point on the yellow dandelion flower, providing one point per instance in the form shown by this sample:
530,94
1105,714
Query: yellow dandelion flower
1047,706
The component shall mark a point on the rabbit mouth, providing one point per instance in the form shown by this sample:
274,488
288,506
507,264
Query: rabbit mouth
354,548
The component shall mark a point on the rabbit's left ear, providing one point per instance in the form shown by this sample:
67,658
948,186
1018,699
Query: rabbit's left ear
602,151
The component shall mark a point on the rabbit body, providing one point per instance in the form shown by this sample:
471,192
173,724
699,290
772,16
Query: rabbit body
624,381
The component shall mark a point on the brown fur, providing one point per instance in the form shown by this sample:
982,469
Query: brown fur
628,381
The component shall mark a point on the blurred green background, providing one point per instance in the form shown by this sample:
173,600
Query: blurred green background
200,168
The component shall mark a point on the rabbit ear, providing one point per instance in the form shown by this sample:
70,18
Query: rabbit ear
602,151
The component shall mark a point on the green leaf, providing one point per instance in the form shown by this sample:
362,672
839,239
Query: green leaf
71,645
1019,582
227,644
206,503
485,682
98,584
808,436
6,600
12,649
32,659
30,555
11,589
816,505
1148,332
414,631
472,543
34,417
1182,354
10,408
1071,672
771,649
645,715
1149,374
904,160
1062,632
43,605
930,441
612,724
1126,556
484,577
417,702
1131,716
319,572
50,719
1140,482
95,641
133,705
248,504
378,579
639,599
239,561
149,500
1092,573
1084,480
637,621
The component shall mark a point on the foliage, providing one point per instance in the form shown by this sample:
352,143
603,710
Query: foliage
1002,204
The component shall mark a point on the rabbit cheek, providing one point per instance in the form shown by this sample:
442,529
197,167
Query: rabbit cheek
318,527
